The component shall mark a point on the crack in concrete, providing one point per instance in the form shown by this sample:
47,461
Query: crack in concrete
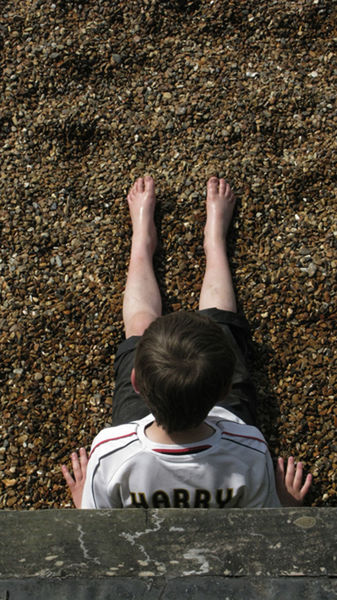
86,554
131,538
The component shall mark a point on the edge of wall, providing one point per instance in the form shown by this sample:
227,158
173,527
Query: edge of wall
168,553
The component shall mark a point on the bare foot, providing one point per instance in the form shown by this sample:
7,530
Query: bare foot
142,200
220,204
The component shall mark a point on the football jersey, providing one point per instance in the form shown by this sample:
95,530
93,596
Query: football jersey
231,468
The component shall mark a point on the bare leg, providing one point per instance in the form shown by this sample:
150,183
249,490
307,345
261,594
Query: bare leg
217,287
142,301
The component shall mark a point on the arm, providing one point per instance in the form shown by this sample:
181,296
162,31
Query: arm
76,485
289,483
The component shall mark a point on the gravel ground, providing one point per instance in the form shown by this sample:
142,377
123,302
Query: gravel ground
97,93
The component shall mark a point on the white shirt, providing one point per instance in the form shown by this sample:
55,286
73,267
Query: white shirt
231,468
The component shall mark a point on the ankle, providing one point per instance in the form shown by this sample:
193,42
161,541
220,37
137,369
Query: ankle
142,250
215,246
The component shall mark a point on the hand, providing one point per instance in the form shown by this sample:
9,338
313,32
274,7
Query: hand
80,470
289,486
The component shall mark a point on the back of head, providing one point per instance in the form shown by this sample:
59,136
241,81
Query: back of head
183,366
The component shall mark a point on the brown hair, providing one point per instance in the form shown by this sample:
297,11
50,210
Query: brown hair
183,366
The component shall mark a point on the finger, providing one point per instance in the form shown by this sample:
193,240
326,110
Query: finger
83,461
298,476
76,466
69,480
306,485
290,472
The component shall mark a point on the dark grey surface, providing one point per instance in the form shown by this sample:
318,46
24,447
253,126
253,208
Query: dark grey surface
167,553
197,588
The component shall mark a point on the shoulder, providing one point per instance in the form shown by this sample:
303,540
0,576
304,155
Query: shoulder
113,438
219,412
235,431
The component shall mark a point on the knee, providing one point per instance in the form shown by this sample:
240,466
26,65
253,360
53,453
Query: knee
138,323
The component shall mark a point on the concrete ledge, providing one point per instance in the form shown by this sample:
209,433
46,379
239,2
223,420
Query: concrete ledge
196,588
169,553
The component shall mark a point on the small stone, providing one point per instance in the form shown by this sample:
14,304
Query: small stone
8,482
17,372
116,58
311,270
11,501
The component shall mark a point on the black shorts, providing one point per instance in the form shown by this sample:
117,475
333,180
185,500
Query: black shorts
129,406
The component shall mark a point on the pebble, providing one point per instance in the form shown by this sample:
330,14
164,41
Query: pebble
311,270
97,94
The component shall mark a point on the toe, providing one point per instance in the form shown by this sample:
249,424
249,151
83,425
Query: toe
139,185
148,182
222,186
230,193
213,183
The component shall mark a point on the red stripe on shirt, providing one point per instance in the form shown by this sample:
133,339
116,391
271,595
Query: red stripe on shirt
191,450
248,437
111,440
